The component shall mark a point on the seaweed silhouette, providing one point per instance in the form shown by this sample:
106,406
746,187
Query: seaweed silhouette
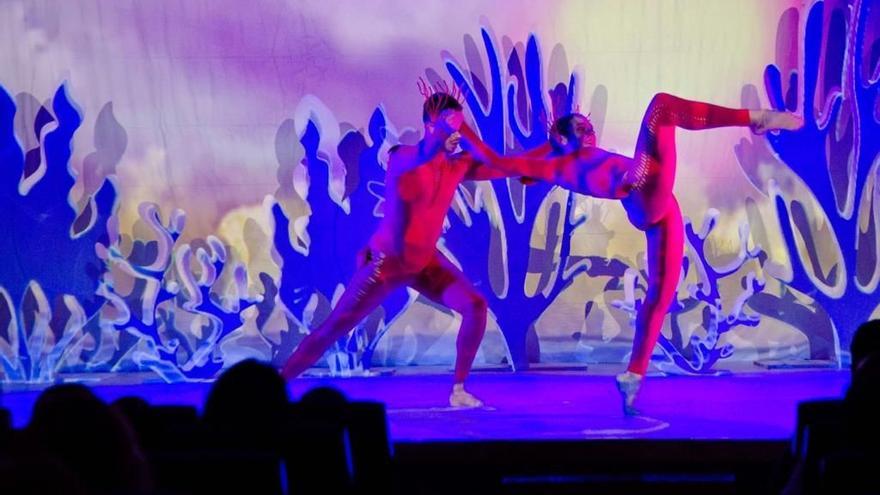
314,270
166,286
504,258
51,276
837,156
703,350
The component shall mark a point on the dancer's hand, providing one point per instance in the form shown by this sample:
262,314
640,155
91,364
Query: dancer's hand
467,132
471,142
450,121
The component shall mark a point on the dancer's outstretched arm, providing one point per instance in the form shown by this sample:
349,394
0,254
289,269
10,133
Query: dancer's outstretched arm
528,165
582,171
479,170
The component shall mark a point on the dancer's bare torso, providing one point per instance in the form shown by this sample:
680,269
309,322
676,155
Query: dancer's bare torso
418,192
644,189
595,172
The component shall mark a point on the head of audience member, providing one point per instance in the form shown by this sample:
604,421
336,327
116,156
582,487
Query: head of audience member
571,133
138,413
249,397
865,341
5,428
72,425
863,401
443,115
29,471
325,403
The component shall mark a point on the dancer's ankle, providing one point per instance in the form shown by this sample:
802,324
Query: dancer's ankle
762,121
632,375
755,117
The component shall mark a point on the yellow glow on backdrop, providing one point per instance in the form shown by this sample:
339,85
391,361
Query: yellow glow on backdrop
207,87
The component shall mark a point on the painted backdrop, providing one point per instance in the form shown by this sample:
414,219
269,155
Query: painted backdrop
184,184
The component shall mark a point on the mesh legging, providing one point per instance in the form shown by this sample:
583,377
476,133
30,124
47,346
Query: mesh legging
654,209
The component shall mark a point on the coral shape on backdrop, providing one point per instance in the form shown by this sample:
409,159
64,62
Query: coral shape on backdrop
78,296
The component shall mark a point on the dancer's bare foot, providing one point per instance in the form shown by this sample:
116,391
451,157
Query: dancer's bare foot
769,120
462,398
628,385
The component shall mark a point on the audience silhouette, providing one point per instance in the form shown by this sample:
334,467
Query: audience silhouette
251,438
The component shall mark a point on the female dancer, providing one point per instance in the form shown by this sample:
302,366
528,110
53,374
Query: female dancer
643,184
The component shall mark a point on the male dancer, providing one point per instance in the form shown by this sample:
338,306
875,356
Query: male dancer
420,184
643,184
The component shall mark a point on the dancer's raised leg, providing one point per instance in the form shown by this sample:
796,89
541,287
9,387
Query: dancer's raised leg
653,208
669,110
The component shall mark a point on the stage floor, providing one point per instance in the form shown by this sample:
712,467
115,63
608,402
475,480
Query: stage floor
545,405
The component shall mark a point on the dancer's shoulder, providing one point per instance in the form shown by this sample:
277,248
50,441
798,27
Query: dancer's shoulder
402,150
402,156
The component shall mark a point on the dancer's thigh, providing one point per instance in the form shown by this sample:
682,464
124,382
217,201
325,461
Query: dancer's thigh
442,282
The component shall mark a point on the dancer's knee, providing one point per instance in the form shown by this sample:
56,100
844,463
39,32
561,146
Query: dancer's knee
474,311
661,100
659,112
475,306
